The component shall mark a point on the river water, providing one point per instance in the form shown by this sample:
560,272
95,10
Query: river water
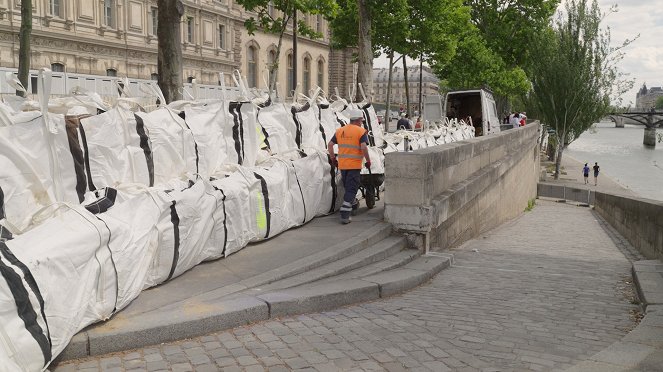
622,157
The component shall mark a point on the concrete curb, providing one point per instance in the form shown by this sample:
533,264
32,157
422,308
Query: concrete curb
648,278
642,348
176,323
172,325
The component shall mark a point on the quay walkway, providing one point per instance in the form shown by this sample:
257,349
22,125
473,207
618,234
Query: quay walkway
549,290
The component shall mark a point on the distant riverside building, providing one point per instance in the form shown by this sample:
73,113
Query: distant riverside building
646,98
430,85
118,38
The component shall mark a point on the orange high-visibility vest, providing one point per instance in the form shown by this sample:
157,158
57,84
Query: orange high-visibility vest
349,149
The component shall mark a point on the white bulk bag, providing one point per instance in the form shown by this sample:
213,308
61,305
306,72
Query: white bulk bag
283,196
71,261
372,125
317,181
36,166
174,150
117,149
244,133
328,120
241,225
281,131
212,130
134,240
309,133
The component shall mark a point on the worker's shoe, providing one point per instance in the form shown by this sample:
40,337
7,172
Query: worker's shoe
346,221
355,207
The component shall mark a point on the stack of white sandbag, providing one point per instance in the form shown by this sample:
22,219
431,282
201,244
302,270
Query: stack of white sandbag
434,134
96,208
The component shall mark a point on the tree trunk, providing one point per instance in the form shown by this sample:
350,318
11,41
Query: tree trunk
387,109
365,65
169,60
274,68
407,90
24,48
421,82
558,159
294,51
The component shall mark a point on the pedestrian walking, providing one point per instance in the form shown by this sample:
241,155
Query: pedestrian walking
352,143
404,122
585,172
596,173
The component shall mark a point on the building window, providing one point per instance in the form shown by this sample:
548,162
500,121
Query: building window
270,9
222,37
55,6
318,23
306,81
111,72
189,29
155,20
109,13
154,76
57,67
321,74
252,71
290,73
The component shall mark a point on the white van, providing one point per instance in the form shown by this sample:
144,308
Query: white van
477,104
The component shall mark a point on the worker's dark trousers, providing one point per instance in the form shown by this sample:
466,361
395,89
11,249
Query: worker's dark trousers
351,185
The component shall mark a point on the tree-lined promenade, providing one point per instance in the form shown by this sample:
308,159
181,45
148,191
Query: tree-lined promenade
557,63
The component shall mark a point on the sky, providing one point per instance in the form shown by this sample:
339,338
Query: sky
643,61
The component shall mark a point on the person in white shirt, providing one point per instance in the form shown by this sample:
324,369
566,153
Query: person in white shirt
514,119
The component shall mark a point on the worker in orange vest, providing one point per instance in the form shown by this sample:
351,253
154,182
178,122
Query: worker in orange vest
352,141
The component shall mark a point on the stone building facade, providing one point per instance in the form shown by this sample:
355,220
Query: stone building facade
430,85
118,38
646,98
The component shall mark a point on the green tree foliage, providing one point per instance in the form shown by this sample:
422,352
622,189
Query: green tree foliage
659,103
273,16
509,26
475,65
576,73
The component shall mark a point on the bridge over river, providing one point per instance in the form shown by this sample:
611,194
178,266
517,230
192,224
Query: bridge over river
649,119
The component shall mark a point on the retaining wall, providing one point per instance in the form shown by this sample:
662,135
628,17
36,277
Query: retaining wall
447,194
639,220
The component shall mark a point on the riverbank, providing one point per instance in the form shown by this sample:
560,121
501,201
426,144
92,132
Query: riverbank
574,178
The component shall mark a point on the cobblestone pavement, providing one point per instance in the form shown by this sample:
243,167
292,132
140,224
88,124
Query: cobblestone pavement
541,292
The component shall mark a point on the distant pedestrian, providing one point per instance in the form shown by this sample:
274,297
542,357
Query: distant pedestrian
403,122
514,120
585,172
596,173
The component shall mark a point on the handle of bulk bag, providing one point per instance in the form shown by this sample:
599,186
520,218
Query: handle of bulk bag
240,84
44,81
361,90
78,90
14,82
222,81
154,89
122,86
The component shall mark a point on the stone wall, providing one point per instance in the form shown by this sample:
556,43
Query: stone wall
445,195
639,220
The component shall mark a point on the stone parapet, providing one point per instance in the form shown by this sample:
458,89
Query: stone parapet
639,220
452,192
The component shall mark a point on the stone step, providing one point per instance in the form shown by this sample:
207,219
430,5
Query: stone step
397,260
373,254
